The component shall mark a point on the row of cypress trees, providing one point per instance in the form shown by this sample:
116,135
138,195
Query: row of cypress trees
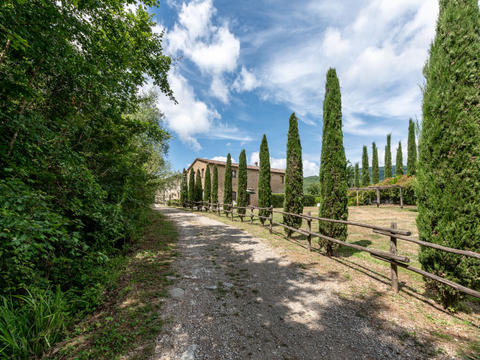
192,191
399,169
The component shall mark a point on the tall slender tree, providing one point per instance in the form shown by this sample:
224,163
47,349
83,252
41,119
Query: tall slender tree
356,180
387,170
191,187
412,150
242,182
399,162
198,188
448,172
333,174
293,176
264,186
207,187
184,189
375,170
365,169
227,184
214,195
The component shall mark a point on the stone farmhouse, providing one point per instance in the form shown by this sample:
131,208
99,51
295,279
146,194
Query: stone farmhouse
277,179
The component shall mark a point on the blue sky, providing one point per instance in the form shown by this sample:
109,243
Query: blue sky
242,67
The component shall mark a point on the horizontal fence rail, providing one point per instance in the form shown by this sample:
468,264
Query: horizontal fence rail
395,234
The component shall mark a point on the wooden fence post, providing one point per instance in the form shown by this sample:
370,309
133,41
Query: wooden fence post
251,215
357,197
378,198
393,267
218,209
231,209
309,238
271,219
241,215
401,198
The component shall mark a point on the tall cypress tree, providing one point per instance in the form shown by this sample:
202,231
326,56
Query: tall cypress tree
356,180
375,170
214,195
198,187
387,170
448,172
412,150
365,169
184,189
264,186
242,182
227,184
293,176
333,174
191,186
207,187
399,162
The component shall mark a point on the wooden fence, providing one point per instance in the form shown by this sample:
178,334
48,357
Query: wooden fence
378,188
392,232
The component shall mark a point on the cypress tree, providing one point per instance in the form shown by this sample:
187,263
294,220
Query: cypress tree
207,187
356,181
184,189
198,187
375,170
365,169
399,162
333,174
293,177
242,182
412,150
264,186
191,187
448,172
227,185
214,193
387,171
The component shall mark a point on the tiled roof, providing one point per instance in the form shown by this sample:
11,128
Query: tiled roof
223,163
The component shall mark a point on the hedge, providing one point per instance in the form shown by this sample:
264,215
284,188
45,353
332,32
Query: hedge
308,200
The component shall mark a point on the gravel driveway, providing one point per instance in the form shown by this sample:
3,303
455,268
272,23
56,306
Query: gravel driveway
235,297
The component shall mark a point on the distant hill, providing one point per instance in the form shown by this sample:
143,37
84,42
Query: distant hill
309,180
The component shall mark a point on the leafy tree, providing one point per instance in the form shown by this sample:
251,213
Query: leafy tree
313,189
264,186
227,190
207,191
242,182
184,188
375,170
412,150
388,158
293,176
356,181
191,186
399,162
214,194
365,169
448,172
198,192
333,175
350,174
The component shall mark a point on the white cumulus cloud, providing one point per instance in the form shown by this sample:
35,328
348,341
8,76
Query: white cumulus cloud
245,81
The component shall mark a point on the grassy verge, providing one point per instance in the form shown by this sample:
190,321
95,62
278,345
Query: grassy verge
128,322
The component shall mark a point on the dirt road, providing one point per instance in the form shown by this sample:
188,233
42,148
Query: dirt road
235,297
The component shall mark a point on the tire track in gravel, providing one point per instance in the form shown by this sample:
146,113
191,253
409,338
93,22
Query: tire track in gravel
235,297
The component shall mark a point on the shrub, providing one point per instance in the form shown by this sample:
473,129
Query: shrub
277,200
308,200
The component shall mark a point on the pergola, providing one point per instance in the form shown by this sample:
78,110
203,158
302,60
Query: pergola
378,188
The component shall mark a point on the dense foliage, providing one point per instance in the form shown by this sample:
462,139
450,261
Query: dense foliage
227,189
197,190
264,186
293,176
412,150
333,174
191,186
375,170
365,168
184,188
399,161
207,187
356,176
214,197
448,170
80,151
242,182
387,172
